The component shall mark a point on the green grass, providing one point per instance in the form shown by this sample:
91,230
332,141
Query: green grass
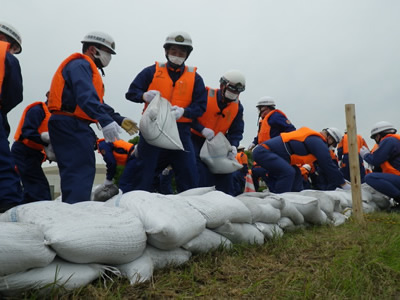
346,262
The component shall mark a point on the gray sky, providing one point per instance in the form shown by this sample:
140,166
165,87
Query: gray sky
312,56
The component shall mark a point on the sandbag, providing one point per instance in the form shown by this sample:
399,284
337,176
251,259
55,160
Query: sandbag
270,231
214,154
241,233
158,125
308,207
206,241
139,270
260,210
22,247
381,200
218,208
168,220
103,192
198,191
327,201
59,273
102,235
165,258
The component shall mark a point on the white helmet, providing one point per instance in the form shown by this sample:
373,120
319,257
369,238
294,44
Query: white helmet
180,38
241,147
234,79
382,126
335,133
266,101
10,31
100,38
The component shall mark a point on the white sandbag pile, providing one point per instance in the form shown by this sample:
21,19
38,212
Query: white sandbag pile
109,236
139,232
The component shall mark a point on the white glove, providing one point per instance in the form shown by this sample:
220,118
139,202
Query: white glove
346,186
307,167
45,137
165,172
364,151
232,153
251,146
149,95
107,182
208,133
178,111
111,132
129,126
50,153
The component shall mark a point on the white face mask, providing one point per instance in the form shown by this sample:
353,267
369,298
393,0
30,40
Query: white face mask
103,56
176,60
231,96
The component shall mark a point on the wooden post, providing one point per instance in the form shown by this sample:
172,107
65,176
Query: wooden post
355,177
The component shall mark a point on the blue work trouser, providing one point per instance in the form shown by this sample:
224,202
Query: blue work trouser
256,174
139,172
10,186
282,177
29,166
387,184
73,142
222,182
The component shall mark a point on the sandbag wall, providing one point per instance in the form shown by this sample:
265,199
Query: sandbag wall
135,233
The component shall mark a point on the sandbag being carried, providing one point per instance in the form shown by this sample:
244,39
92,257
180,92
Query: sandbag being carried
98,234
22,247
158,125
214,154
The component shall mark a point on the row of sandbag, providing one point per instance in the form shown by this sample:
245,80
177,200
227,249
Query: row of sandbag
94,234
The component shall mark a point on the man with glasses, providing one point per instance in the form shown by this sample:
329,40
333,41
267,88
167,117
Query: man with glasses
224,114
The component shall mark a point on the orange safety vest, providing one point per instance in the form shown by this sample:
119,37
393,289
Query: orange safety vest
264,134
58,83
4,48
386,166
300,135
344,143
42,128
241,157
213,117
121,150
180,93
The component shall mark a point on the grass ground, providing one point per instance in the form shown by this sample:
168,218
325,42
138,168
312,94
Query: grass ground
345,262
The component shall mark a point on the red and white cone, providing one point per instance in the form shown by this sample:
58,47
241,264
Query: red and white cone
249,186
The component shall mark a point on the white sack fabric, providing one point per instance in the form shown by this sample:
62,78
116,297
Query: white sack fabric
214,154
139,270
206,241
158,125
22,247
169,222
102,235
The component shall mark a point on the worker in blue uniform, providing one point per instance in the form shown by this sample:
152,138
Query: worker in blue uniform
280,155
29,151
184,88
387,158
10,97
76,101
224,114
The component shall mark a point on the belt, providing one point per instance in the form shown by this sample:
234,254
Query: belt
69,114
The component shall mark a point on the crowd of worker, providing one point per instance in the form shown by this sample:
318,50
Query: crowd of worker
284,157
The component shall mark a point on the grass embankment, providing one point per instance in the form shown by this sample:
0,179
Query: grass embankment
345,262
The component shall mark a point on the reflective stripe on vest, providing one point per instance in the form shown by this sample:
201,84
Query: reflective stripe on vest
386,166
4,47
300,135
214,118
58,83
264,133
42,128
180,93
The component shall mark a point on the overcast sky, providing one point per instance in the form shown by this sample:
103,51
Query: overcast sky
312,56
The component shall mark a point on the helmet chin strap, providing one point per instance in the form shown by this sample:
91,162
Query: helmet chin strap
99,65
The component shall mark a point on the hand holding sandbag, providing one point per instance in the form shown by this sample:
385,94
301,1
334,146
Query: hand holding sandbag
232,153
50,155
149,95
178,111
364,151
208,133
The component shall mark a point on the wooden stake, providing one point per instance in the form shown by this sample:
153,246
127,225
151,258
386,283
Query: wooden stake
355,177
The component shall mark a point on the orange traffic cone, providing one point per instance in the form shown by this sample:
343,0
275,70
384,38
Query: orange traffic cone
249,186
